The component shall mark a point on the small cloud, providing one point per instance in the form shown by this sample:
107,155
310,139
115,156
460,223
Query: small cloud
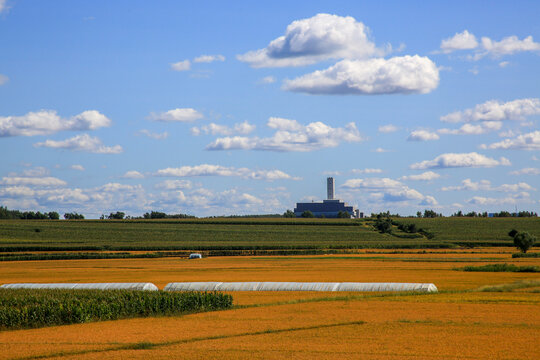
177,115
366,171
181,65
460,41
156,136
45,122
3,79
494,110
268,80
504,64
77,167
426,176
84,143
474,70
133,174
208,58
388,128
463,160
530,141
216,129
3,6
380,150
422,135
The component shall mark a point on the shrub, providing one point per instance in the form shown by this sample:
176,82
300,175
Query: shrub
307,214
512,233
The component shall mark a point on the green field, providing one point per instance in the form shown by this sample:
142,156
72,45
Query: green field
252,234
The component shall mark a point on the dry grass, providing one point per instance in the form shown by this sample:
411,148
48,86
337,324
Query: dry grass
454,324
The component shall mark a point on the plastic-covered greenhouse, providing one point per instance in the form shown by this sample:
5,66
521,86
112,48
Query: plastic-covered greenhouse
84,286
297,286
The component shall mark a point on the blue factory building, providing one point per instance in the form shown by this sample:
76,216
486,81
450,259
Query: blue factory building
329,208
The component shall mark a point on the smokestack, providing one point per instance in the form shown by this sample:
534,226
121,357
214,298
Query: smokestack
330,188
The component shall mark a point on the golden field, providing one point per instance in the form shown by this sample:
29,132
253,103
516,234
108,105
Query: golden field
459,322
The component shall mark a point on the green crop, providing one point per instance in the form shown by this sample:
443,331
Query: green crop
31,308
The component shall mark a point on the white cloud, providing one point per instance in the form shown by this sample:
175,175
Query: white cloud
218,170
82,143
208,58
46,122
526,171
388,128
504,64
3,6
397,75
47,181
422,135
474,129
181,65
174,184
3,78
216,129
494,110
177,115
425,176
530,141
268,80
152,135
381,150
133,174
511,200
452,160
509,45
291,136
77,167
372,183
485,185
388,190
460,41
366,171
315,39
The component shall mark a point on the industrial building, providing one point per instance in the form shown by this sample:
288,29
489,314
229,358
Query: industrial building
329,208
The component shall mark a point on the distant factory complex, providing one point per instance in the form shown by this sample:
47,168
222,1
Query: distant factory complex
329,208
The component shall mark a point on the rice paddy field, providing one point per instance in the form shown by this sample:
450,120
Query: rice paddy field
475,315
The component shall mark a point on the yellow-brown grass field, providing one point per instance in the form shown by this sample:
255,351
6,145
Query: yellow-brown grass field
459,322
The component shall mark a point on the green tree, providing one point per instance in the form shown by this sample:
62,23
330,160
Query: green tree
524,241
289,214
307,214
343,215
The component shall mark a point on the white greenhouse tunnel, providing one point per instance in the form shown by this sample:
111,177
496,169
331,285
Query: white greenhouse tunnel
298,286
84,286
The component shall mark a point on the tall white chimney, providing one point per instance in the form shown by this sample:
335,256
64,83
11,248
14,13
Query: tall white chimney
330,188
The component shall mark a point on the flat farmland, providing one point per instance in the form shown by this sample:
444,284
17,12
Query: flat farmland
462,321
253,234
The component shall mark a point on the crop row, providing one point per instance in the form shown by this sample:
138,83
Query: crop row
31,308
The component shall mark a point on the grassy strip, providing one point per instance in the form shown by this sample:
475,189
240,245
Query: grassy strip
241,250
501,268
526,255
151,345
32,308
524,284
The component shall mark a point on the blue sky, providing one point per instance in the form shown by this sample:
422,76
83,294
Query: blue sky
216,108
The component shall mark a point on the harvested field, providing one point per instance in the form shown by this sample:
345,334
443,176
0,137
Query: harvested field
459,322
